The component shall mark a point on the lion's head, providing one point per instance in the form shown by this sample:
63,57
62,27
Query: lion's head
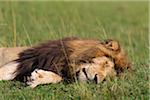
96,71
113,49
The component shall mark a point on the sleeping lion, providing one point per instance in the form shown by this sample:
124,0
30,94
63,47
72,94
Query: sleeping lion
66,59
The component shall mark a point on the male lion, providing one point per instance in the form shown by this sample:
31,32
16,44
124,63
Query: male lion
63,58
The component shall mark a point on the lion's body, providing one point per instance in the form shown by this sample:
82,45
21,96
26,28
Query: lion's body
10,53
64,57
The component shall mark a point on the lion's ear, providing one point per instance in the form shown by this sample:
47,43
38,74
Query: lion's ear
113,45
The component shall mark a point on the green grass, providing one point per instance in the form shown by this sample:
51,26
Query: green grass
29,23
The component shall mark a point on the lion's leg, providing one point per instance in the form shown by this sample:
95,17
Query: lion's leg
8,71
39,76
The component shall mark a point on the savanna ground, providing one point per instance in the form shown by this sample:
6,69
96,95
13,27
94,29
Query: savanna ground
28,23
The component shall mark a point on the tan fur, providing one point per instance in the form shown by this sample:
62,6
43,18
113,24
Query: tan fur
43,77
10,53
100,68
7,72
86,46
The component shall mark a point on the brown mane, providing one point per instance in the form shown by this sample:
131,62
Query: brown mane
49,56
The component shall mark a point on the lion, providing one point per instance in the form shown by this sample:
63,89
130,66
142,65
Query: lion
63,58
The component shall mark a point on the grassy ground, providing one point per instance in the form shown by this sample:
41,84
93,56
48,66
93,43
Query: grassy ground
28,23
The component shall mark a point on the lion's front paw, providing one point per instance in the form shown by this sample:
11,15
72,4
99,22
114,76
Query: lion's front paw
39,76
34,79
